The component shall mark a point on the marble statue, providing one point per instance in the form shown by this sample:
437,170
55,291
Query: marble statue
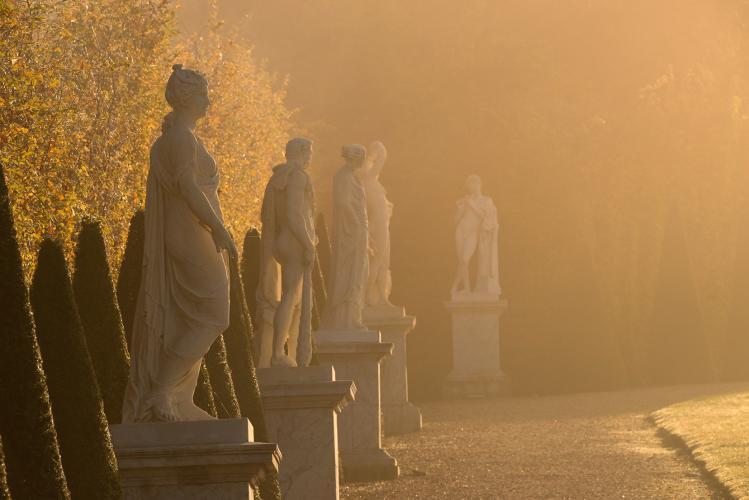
379,212
183,302
289,242
476,234
350,242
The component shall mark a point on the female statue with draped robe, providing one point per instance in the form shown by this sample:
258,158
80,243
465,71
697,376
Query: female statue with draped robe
183,302
379,212
350,242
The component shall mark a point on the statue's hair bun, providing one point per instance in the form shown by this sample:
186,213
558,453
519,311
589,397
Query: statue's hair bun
176,67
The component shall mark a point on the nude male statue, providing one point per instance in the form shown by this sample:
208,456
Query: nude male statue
289,238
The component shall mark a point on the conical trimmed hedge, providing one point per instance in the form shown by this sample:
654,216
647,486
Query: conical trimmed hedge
4,491
251,270
32,457
100,316
85,444
203,396
219,372
239,344
324,250
128,282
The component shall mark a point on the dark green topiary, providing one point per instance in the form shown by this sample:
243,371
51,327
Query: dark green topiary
100,316
32,457
239,342
4,491
251,270
203,396
323,247
85,445
224,396
128,282
676,345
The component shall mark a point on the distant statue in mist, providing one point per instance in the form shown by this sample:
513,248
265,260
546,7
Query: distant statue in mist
350,245
289,242
183,302
379,212
476,234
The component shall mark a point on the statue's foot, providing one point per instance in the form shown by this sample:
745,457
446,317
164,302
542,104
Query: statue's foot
283,360
164,410
194,412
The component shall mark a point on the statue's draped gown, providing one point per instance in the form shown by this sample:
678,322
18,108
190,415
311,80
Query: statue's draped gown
350,260
183,302
379,211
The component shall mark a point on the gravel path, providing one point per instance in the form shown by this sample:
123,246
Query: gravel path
580,446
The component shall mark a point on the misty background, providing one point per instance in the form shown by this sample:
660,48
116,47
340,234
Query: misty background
610,133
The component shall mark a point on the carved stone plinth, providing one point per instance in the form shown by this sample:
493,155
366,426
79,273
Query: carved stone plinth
301,410
475,332
356,356
213,459
399,415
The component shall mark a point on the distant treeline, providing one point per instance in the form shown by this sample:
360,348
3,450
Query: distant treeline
612,136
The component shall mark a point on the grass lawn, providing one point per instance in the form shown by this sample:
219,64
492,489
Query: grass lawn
716,431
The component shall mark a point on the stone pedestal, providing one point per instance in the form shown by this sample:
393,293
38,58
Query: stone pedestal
399,415
301,410
356,356
213,459
475,331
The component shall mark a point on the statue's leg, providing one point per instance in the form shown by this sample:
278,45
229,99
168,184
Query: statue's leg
174,372
291,282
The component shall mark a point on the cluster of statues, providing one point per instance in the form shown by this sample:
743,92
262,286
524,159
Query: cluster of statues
183,303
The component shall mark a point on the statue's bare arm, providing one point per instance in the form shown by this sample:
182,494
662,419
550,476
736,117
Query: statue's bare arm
184,146
295,211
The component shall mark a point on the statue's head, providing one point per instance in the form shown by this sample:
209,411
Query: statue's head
355,155
473,184
187,92
299,152
377,155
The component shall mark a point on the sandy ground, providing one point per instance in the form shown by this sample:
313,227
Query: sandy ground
580,446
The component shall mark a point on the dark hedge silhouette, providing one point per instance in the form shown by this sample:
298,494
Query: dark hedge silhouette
4,491
220,376
85,445
128,282
323,247
203,397
676,346
239,345
100,316
32,457
251,270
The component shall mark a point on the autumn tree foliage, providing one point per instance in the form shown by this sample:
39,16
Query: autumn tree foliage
81,101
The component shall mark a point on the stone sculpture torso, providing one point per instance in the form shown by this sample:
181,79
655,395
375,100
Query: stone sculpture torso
183,303
350,263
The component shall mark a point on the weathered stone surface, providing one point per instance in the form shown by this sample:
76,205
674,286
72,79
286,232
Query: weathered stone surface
301,411
475,332
399,415
191,460
356,355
